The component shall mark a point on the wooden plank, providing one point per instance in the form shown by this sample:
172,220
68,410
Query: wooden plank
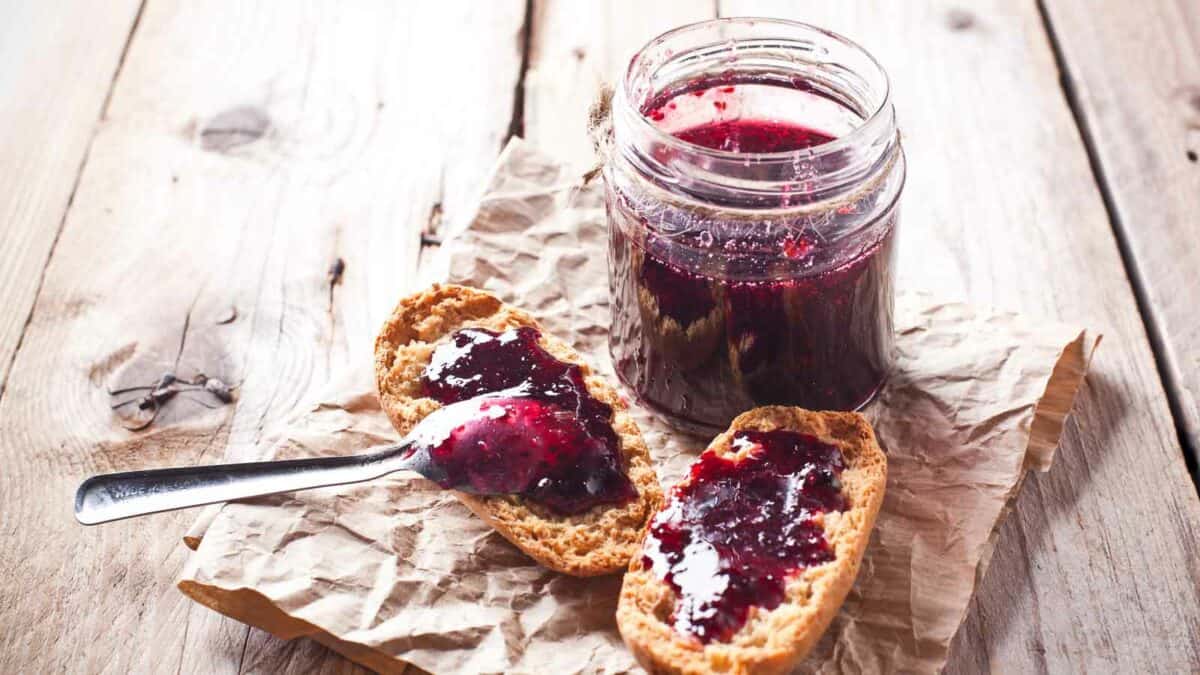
246,147
48,120
1133,71
1001,209
575,47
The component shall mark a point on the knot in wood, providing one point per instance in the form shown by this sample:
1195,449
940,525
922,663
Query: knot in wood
960,19
234,127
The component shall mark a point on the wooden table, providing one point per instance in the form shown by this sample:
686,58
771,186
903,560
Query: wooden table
169,166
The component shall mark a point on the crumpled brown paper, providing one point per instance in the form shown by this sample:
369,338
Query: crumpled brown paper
396,571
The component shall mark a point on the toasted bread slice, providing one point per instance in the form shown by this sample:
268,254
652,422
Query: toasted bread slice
598,541
771,641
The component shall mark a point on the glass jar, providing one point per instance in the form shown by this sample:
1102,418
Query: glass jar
751,191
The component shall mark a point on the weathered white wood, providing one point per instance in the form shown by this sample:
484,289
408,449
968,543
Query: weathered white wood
1001,208
267,654
576,46
246,147
181,212
1134,70
57,63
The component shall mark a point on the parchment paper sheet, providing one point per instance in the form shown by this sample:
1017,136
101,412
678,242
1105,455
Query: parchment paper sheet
396,571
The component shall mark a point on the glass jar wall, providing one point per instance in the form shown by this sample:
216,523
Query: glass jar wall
752,194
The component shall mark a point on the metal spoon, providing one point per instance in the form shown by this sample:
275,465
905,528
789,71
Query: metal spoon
114,496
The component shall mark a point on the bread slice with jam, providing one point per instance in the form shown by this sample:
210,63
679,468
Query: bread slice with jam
753,553
598,540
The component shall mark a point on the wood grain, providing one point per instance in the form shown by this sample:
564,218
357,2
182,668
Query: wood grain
246,147
58,57
1134,72
575,47
1001,208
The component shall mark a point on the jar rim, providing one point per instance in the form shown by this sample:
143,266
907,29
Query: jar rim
870,127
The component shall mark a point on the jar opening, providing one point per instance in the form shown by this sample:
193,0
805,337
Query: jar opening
752,70
752,225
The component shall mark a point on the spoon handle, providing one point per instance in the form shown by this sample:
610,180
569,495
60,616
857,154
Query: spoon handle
114,496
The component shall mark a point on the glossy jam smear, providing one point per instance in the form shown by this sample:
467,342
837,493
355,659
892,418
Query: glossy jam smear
732,535
545,438
713,319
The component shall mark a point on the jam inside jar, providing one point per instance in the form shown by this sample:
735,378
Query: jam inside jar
752,192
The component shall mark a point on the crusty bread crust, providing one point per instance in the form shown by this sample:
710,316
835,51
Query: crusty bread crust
599,541
772,641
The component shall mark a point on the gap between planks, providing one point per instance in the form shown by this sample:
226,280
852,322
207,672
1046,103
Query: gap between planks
516,123
62,221
1137,281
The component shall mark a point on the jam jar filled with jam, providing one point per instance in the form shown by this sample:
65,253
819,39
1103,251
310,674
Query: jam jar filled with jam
752,189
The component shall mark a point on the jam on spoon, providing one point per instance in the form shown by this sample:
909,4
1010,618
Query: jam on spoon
537,433
732,535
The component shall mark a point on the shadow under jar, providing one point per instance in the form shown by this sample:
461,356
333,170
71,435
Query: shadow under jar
752,192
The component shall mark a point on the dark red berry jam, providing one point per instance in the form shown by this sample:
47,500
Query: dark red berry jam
736,530
725,303
543,436
753,136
